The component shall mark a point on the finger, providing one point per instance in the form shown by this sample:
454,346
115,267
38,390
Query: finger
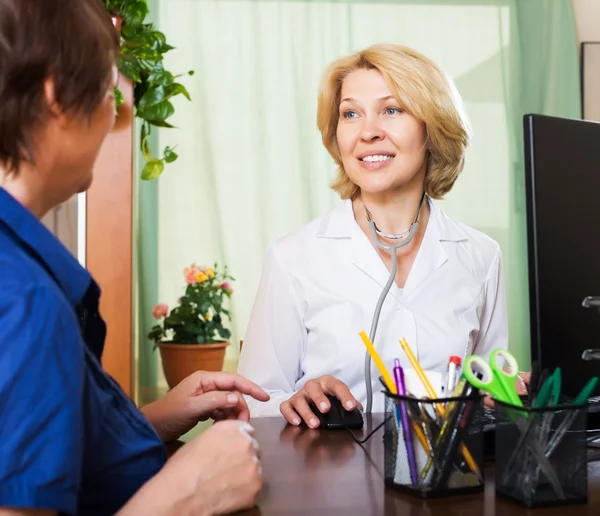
300,403
341,391
241,410
315,392
217,415
222,381
525,376
248,431
205,404
289,413
520,386
488,401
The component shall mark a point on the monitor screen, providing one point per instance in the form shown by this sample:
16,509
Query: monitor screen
562,166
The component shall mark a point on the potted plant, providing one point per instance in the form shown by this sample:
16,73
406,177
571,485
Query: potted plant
192,336
141,60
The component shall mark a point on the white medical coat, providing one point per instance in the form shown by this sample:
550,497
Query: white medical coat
319,289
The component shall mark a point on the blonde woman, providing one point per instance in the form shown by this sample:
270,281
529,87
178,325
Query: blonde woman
394,124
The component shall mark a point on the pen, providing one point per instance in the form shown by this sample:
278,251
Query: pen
457,425
438,406
379,363
401,387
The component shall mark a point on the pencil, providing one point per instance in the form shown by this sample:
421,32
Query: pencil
387,380
438,406
379,363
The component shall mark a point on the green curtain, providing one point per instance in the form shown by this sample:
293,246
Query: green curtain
252,166
145,259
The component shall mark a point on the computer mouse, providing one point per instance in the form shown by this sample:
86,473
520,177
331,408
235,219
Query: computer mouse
337,418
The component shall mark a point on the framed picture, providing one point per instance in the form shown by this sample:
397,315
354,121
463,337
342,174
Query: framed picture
590,80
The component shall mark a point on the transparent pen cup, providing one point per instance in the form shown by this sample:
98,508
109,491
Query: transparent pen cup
447,449
541,455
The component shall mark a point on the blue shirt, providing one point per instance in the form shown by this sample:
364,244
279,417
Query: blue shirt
70,439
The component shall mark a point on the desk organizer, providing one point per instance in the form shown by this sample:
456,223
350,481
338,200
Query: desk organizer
541,456
446,439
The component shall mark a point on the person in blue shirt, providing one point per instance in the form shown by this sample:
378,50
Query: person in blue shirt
71,442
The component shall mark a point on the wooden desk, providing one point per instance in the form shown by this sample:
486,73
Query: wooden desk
326,473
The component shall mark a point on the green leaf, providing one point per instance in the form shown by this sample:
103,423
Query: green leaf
152,97
134,13
129,67
160,111
162,77
169,155
152,169
224,333
118,97
177,89
161,123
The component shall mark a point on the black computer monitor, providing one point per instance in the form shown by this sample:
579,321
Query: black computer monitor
562,165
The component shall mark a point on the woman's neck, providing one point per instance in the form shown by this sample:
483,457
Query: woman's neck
392,215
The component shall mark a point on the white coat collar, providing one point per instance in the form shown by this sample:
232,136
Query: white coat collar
341,224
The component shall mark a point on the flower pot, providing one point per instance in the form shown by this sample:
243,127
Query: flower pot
181,360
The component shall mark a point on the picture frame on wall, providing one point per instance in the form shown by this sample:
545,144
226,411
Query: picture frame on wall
590,80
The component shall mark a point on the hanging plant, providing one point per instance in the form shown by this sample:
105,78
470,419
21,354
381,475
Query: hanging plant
141,60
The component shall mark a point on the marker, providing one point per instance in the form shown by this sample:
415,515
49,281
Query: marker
452,374
407,434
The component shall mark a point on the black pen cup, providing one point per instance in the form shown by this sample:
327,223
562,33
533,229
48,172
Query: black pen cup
446,438
541,455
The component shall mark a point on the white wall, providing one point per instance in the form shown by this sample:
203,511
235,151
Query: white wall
587,19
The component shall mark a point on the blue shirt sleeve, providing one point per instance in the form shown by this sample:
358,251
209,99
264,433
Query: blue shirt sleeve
41,392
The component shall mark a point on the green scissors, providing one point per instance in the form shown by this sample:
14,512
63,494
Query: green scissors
498,379
494,378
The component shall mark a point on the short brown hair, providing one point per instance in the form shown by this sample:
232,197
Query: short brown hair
73,42
423,90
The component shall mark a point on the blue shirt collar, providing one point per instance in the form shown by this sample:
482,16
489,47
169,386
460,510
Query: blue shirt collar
28,231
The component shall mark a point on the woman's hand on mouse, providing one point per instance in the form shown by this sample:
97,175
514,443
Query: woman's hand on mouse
297,409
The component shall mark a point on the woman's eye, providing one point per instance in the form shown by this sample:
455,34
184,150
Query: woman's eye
349,114
392,111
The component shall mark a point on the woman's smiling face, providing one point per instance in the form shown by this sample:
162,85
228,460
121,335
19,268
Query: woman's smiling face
383,148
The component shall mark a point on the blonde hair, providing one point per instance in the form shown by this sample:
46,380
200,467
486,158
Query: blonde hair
423,90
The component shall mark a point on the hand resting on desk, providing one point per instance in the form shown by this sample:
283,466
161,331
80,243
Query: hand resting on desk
297,409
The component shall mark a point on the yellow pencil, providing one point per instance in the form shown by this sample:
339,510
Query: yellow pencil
379,363
390,384
438,406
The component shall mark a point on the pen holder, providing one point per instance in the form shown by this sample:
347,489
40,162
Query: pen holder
446,439
541,456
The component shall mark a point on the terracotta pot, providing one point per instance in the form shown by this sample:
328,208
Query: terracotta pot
181,360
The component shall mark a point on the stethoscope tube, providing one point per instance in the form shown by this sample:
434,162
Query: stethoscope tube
392,249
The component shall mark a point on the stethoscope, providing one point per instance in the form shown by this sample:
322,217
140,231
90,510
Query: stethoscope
405,239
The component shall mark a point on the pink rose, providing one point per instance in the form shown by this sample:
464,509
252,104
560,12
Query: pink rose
226,286
161,310
190,275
